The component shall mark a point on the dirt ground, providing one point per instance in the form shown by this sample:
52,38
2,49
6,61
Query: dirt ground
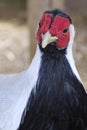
14,48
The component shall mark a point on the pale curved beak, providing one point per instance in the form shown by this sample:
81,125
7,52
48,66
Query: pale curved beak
47,38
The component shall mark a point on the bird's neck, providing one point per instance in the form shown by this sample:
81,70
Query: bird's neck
70,59
39,57
69,53
57,67
55,79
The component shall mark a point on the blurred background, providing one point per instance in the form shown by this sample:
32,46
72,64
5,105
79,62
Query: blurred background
18,22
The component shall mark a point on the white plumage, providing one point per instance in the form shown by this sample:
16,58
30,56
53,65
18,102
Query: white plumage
15,89
14,93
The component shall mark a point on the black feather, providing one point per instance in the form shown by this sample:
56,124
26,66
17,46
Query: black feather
60,101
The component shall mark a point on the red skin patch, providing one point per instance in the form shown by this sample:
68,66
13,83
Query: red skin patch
58,28
44,26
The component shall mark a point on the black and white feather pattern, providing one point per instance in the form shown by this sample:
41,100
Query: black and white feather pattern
58,101
48,96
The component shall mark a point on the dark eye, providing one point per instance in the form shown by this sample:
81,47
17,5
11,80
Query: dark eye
39,25
65,30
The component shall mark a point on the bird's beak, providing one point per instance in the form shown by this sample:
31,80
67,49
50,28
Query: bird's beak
47,39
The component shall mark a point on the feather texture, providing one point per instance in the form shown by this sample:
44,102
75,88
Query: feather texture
59,102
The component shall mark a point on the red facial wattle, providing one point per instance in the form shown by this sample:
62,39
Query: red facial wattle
59,28
44,26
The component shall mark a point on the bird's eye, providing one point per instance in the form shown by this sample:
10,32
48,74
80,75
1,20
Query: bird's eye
65,30
39,25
